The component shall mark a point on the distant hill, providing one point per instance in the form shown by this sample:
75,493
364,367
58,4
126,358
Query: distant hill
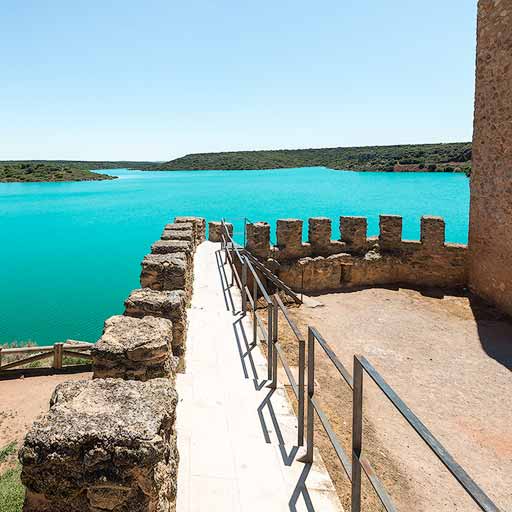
451,157
60,170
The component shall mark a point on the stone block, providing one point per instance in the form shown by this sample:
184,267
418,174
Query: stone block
104,445
179,226
432,232
199,227
166,272
166,304
390,233
353,233
215,231
176,234
258,239
173,247
324,274
319,235
134,349
289,238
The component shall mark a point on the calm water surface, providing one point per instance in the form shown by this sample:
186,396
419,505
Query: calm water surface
71,252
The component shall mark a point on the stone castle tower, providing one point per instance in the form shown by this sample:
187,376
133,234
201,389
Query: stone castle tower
490,232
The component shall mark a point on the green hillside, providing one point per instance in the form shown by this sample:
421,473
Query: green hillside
59,170
451,157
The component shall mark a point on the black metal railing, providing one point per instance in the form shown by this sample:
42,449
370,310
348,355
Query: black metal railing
270,332
355,464
361,366
297,387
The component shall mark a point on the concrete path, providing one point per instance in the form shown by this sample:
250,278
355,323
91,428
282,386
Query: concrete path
237,439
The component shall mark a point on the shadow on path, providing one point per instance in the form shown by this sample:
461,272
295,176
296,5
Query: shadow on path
288,451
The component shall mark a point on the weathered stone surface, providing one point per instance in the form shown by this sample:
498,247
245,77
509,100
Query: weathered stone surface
179,226
490,236
176,234
319,235
134,348
215,231
390,235
174,246
289,240
199,227
258,239
359,260
432,232
166,304
104,445
353,233
166,272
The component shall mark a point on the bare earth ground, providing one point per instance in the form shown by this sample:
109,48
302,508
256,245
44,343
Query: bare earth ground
450,360
22,401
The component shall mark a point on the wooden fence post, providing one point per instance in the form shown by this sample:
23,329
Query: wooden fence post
57,355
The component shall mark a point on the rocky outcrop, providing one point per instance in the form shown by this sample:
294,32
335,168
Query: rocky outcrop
134,348
165,304
104,445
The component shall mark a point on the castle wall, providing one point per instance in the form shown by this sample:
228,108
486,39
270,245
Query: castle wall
322,264
490,233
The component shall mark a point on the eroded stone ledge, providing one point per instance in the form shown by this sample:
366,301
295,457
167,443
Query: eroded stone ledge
167,272
104,445
166,304
134,348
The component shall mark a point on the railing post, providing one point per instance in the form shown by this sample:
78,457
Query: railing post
254,319
275,317
357,435
270,346
57,355
308,457
244,285
302,369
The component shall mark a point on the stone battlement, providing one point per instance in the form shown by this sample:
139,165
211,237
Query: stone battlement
110,443
354,259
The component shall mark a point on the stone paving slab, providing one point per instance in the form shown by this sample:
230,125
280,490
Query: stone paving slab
236,438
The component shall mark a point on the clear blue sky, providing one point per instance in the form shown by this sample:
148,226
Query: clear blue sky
156,79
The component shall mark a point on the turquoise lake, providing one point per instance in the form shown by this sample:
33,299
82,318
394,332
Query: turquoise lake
71,252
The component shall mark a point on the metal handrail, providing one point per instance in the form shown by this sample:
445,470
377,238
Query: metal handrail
361,366
273,305
272,277
355,383
359,462
298,388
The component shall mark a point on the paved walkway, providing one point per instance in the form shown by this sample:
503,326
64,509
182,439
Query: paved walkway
236,438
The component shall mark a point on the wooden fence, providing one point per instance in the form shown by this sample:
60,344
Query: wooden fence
11,366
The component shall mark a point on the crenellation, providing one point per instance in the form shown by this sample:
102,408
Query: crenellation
119,451
353,232
215,231
258,239
390,232
319,235
432,232
357,260
199,224
289,238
